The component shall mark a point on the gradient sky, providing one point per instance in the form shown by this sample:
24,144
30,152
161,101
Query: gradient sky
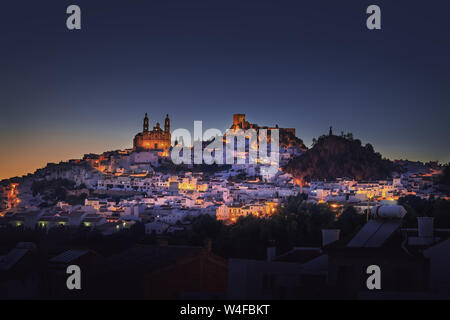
302,64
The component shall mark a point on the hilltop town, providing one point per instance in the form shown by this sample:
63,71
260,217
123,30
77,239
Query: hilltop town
134,205
115,189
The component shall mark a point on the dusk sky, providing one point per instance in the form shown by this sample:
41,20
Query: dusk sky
303,64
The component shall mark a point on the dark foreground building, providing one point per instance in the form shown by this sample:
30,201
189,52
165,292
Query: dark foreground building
158,272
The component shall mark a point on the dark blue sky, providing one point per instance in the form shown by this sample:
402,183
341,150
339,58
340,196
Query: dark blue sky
303,64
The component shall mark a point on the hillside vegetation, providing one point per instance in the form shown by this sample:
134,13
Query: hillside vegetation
334,157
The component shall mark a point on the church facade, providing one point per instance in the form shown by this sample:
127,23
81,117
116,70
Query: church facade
156,139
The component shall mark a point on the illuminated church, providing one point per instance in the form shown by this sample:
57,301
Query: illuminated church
156,139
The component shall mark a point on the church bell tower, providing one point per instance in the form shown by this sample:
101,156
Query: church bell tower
146,123
167,124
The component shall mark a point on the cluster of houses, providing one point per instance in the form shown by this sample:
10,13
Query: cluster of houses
361,194
125,186
164,202
167,202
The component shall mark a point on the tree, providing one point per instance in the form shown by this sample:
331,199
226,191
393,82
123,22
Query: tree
292,204
350,221
418,207
444,180
415,207
203,227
